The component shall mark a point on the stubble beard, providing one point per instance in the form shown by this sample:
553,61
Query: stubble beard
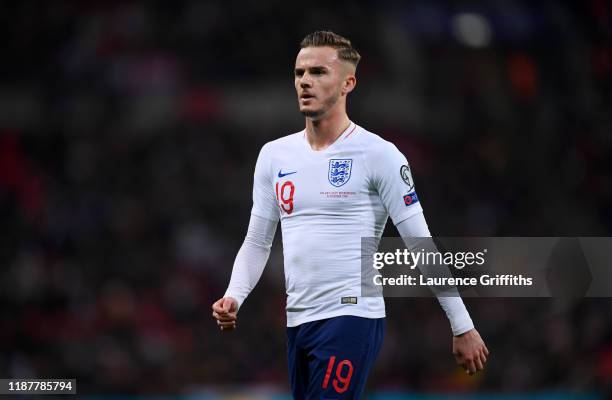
327,105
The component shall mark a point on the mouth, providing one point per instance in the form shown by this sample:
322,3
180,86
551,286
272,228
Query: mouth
306,96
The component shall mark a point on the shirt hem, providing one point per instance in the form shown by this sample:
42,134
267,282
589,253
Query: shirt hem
293,322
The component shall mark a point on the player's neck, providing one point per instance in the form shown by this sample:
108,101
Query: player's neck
323,132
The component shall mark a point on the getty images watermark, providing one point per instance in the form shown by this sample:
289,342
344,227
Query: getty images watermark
422,258
486,267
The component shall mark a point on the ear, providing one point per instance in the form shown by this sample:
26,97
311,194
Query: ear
349,84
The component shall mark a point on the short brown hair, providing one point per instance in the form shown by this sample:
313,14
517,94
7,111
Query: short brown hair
345,50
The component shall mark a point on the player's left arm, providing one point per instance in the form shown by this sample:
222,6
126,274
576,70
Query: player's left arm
469,349
392,178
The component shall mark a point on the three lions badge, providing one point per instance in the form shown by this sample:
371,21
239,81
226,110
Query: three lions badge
339,171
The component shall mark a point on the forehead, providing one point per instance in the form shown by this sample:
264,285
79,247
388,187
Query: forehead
313,56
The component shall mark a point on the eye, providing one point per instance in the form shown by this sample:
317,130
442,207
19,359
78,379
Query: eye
298,72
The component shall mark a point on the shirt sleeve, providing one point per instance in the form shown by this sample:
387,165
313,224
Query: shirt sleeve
251,258
264,201
392,178
415,233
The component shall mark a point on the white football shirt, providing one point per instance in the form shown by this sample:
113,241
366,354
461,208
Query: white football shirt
326,202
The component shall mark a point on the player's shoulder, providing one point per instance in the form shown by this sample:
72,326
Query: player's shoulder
373,144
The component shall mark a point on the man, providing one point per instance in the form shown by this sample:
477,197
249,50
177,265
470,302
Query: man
330,185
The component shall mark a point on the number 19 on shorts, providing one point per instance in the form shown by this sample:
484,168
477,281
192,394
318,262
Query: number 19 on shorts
343,374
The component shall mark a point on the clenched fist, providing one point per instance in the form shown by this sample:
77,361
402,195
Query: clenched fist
224,311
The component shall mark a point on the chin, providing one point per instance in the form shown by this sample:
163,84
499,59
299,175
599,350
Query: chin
312,113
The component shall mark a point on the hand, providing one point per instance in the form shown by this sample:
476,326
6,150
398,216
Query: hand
224,311
470,351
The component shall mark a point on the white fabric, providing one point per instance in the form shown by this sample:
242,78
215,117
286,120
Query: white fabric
416,227
325,211
323,223
251,258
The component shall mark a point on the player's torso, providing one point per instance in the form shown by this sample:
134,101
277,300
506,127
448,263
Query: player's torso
326,204
330,184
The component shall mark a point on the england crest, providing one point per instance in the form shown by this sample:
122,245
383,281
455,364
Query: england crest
339,171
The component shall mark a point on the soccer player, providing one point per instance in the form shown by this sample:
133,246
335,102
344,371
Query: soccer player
330,185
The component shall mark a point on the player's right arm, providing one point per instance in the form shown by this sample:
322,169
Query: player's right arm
255,250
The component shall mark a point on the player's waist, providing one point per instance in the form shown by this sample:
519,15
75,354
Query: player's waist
367,307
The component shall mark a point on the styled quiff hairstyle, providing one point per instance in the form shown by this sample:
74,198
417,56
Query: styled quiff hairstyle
343,46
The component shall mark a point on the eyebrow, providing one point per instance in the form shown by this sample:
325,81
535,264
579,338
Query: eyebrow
313,68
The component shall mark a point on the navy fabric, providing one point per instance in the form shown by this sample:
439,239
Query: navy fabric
331,358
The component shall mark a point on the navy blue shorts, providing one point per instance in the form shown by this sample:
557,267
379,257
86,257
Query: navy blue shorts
331,358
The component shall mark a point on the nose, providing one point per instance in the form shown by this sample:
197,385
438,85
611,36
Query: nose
305,81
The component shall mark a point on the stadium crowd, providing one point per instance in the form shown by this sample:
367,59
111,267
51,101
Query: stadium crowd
128,136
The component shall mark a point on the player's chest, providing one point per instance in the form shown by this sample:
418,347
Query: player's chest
333,184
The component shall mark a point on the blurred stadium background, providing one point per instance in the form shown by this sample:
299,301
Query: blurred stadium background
128,136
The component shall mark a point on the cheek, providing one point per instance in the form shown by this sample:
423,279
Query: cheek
329,86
